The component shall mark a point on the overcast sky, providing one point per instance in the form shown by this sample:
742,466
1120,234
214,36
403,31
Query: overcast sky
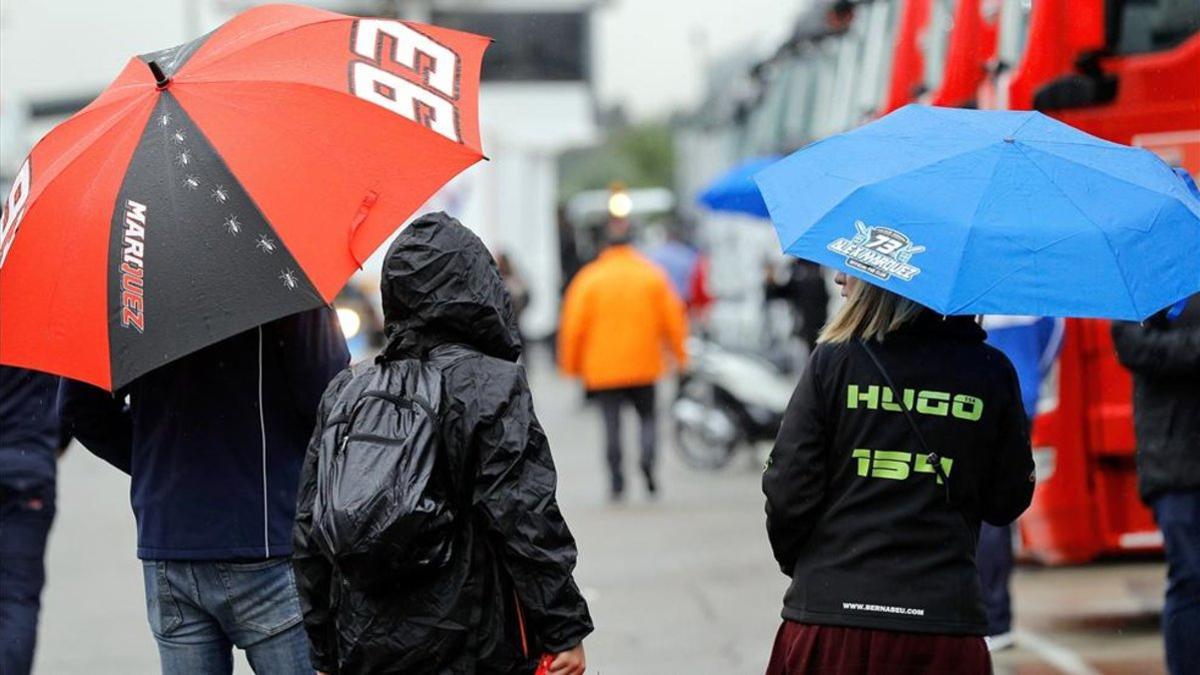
650,54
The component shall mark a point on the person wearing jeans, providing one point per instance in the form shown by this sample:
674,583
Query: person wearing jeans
1163,353
199,611
1178,516
213,444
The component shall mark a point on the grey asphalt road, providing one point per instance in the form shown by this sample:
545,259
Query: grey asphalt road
682,584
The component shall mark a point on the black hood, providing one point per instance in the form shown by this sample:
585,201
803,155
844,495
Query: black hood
440,285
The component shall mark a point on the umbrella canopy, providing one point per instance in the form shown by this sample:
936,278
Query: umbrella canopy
735,190
991,212
226,182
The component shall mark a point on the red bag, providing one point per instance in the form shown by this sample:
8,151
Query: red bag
544,664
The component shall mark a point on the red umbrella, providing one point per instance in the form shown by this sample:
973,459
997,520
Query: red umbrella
227,182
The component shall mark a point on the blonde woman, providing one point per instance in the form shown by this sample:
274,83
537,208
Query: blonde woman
905,432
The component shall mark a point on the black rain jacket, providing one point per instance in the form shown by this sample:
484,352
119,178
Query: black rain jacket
508,596
1165,359
856,516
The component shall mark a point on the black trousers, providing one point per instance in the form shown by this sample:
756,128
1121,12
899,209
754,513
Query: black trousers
994,557
25,518
611,402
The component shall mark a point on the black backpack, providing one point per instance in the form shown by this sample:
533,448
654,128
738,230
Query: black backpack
383,512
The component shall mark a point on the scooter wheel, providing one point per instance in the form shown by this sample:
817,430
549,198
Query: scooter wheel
700,448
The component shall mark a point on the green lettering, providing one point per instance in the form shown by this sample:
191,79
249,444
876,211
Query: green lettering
933,403
923,465
891,465
968,408
870,398
864,461
890,404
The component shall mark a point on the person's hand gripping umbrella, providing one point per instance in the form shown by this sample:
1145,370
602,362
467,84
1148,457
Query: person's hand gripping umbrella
227,182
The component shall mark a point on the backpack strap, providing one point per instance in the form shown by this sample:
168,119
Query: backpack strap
442,358
932,458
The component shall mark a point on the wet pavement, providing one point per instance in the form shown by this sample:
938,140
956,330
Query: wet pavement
681,584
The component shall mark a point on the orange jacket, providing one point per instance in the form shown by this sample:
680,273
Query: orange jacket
618,317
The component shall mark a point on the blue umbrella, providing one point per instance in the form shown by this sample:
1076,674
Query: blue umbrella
991,212
735,190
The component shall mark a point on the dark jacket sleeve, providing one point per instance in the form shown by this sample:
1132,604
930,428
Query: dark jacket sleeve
314,351
314,574
1147,350
794,480
99,419
515,496
1009,485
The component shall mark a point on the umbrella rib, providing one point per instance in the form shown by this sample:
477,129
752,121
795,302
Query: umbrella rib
971,231
54,316
1100,143
1109,175
864,186
68,156
955,310
250,43
1031,116
1107,241
337,92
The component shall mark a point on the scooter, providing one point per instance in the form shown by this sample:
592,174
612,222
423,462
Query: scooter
726,400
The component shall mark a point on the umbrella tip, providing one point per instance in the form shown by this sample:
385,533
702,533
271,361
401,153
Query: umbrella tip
160,78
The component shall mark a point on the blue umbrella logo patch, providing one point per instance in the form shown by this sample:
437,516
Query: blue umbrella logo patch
879,251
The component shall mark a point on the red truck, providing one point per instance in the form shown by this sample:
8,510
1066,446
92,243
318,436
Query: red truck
1124,70
1127,71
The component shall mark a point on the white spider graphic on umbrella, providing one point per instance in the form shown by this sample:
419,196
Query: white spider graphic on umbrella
289,279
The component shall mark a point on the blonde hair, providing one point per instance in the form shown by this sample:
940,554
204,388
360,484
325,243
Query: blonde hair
869,312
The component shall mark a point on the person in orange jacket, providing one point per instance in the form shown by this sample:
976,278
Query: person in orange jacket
619,317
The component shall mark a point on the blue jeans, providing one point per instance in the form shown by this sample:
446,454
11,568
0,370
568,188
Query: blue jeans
1178,516
25,518
200,611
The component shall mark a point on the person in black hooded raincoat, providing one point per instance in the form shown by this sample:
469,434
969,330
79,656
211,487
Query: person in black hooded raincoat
508,596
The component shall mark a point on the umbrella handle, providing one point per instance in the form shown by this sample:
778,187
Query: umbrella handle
364,210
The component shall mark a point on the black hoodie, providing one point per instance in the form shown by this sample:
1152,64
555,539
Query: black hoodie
444,302
868,533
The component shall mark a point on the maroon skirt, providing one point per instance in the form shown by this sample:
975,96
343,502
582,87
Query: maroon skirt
801,649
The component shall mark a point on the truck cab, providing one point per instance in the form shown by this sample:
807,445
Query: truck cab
1126,71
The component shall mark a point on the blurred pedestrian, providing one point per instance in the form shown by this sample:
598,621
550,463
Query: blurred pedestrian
803,288
467,568
568,248
515,284
619,316
676,257
1164,356
213,443
873,524
1032,344
30,438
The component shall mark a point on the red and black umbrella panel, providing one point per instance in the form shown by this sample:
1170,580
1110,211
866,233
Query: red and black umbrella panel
245,184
